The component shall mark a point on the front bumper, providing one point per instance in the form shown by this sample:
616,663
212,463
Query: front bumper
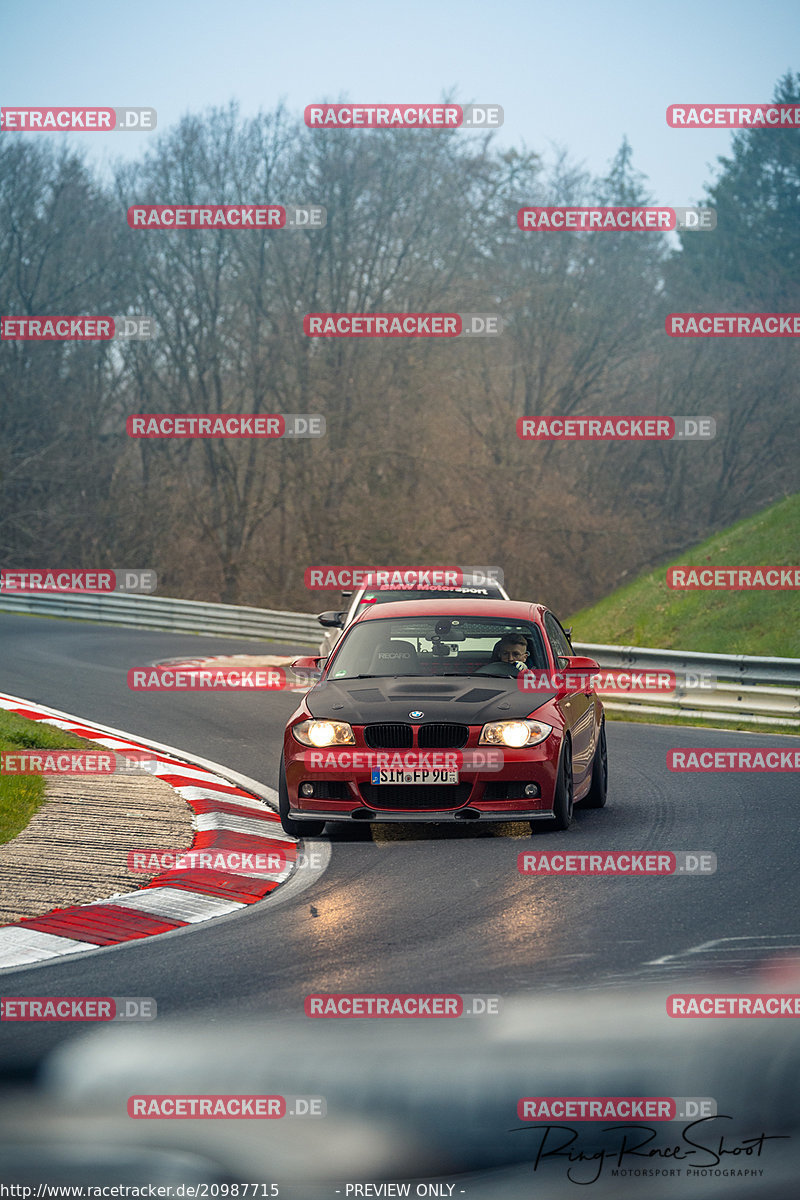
480,795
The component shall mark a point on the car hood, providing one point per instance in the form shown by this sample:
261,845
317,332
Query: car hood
467,700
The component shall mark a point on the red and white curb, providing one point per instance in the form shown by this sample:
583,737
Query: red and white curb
226,817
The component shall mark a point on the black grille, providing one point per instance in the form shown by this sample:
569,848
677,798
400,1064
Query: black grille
389,737
415,795
439,737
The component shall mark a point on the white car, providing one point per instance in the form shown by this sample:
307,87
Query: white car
336,622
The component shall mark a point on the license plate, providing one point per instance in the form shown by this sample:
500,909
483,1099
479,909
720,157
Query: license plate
388,776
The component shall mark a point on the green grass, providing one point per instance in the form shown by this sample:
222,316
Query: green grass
647,613
22,795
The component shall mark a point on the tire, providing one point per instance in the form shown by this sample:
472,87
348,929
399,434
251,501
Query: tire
598,789
563,798
296,829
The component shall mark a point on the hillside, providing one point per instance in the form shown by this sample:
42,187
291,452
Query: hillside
647,613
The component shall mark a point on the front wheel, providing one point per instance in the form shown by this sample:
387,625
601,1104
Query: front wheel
563,798
598,789
296,829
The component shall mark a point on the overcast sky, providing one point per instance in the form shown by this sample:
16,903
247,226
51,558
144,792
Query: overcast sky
578,74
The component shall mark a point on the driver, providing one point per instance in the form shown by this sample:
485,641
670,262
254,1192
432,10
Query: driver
511,649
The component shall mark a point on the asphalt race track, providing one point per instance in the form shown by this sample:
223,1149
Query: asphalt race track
406,908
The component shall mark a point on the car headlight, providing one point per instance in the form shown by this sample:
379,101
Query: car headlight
514,734
324,733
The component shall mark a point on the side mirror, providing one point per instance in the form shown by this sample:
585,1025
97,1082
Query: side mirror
332,619
577,672
308,663
576,662
308,670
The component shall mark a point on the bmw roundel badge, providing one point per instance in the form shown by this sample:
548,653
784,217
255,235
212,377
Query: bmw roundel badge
416,713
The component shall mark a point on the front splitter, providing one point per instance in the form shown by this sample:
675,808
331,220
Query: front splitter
434,816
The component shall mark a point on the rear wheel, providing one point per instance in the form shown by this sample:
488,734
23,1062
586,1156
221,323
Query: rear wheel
296,829
563,798
598,789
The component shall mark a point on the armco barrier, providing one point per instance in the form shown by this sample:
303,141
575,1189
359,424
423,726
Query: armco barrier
758,690
751,688
184,616
739,668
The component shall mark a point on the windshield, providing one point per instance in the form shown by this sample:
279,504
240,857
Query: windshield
432,645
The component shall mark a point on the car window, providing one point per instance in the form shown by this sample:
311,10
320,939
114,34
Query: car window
558,639
430,645
564,634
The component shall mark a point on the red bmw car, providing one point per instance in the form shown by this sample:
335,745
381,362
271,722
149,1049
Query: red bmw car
446,710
